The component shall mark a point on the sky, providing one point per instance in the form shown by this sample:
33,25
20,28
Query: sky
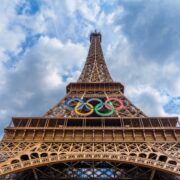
44,44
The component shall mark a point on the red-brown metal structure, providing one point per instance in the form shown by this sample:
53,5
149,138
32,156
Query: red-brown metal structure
75,144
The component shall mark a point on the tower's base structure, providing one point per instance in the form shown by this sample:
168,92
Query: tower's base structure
94,132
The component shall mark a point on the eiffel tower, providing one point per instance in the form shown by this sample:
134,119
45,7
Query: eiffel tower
94,132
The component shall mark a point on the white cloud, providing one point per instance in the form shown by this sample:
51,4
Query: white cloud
71,5
137,71
37,82
89,10
41,73
150,100
11,36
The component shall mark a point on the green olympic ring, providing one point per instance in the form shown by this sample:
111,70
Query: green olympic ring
102,113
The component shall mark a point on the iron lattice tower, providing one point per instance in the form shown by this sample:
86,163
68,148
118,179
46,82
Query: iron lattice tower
94,132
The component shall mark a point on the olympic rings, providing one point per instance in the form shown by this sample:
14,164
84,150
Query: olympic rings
78,107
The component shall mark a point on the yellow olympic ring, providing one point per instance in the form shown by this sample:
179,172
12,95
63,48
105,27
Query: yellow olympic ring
84,114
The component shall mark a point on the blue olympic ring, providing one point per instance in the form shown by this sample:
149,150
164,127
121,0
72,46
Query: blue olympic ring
74,99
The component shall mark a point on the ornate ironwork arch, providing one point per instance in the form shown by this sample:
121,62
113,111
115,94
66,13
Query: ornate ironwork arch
47,154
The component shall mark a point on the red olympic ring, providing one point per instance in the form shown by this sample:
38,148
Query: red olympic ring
115,99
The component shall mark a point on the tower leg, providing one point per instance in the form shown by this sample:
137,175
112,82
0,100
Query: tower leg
35,174
152,174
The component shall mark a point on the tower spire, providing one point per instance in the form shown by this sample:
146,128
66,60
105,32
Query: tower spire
95,68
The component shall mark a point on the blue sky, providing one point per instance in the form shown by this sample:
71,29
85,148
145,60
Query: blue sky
44,44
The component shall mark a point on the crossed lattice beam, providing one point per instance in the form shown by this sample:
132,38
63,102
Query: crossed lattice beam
142,154
91,169
95,68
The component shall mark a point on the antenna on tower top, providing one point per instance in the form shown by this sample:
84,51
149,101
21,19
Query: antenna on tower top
95,34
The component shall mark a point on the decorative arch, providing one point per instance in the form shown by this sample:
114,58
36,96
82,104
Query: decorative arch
141,154
23,163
